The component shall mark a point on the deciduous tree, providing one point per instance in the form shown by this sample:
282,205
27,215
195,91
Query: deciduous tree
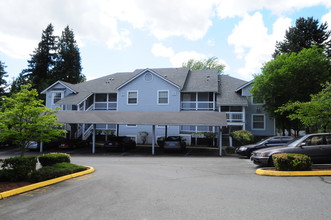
291,77
207,64
24,118
314,114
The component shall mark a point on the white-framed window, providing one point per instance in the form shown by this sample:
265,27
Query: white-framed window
56,96
256,101
163,97
132,97
258,122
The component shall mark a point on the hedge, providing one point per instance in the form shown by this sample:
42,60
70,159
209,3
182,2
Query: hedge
54,171
291,162
17,168
53,158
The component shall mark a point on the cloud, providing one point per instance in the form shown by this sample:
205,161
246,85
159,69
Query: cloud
239,8
253,44
176,59
327,18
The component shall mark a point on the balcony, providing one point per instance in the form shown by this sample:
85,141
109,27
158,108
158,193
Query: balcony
197,106
235,117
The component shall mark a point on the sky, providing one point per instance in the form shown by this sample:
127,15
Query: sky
121,36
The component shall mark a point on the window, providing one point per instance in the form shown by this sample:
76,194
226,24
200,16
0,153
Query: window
132,97
258,122
163,97
56,96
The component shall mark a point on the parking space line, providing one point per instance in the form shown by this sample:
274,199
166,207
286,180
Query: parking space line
188,153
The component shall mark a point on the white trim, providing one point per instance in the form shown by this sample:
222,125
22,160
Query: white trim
264,122
141,73
243,86
158,97
43,92
127,97
53,95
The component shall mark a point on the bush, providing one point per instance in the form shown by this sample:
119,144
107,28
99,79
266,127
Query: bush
53,158
17,168
242,136
54,171
291,162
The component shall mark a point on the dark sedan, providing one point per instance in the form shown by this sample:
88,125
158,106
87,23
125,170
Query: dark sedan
316,146
269,142
172,143
73,143
120,143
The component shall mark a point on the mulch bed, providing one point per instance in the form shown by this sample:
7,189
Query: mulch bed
5,186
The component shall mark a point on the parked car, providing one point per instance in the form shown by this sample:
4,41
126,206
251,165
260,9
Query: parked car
120,143
73,143
269,142
34,145
172,143
316,146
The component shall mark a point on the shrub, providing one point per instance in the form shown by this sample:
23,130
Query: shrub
53,158
18,168
242,136
69,166
54,171
291,162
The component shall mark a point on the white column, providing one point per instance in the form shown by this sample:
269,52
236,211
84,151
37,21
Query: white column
153,139
93,138
220,140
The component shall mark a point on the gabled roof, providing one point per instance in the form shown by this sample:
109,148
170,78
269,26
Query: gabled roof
244,85
174,76
65,84
228,93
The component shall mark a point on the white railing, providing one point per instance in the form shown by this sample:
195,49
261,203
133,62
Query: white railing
197,106
88,132
90,108
235,116
105,105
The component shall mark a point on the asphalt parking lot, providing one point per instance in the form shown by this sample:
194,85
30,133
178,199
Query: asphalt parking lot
145,187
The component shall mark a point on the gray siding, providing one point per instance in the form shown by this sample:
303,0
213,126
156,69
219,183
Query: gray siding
148,101
257,109
56,88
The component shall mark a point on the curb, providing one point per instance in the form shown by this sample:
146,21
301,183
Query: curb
44,183
268,172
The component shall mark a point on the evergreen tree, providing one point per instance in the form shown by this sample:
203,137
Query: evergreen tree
40,66
3,74
68,64
305,34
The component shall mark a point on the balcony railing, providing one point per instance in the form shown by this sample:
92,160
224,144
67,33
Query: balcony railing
105,105
235,116
197,106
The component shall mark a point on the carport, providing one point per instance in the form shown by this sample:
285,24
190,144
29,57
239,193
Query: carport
195,118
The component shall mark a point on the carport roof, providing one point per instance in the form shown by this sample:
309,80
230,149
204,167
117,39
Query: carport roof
143,118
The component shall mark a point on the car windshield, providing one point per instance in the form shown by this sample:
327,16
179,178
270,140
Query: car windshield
295,141
263,141
173,138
